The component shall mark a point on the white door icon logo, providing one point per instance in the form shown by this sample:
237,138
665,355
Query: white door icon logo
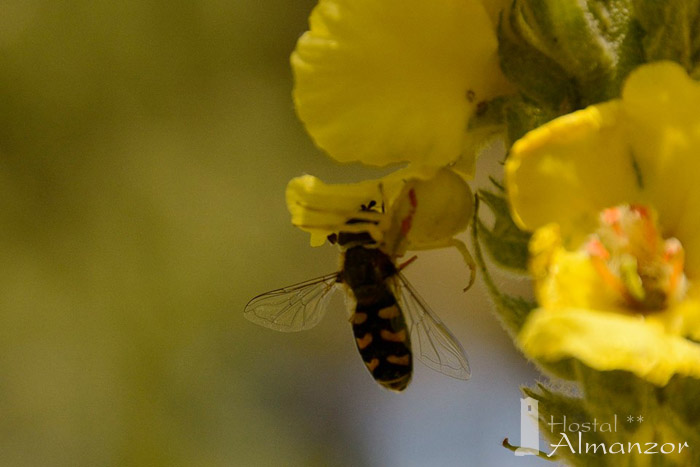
529,428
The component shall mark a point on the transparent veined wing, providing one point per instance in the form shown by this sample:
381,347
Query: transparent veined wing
433,343
295,308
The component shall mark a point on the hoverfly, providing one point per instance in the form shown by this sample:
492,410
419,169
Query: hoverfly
389,316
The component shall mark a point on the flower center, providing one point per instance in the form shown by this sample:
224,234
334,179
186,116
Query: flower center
632,257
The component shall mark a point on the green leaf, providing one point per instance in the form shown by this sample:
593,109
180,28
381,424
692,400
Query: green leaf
671,30
681,396
505,242
512,311
523,115
537,76
566,54
619,392
490,113
670,414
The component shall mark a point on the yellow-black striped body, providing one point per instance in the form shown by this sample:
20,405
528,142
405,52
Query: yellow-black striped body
378,323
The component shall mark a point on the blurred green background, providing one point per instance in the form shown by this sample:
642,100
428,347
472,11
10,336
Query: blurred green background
144,151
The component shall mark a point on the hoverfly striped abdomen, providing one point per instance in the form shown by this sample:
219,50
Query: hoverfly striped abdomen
379,326
382,339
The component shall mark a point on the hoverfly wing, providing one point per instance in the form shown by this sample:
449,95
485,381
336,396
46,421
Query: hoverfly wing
295,308
433,343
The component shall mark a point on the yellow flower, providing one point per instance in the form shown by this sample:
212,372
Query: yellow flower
410,209
495,8
394,81
613,195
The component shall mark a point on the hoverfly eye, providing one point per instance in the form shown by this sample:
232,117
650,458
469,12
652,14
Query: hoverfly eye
368,206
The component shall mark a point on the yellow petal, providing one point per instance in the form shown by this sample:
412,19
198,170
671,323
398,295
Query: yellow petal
390,81
569,169
606,341
638,149
566,279
661,105
322,209
494,9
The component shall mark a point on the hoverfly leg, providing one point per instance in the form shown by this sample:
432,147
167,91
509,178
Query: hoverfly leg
401,266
